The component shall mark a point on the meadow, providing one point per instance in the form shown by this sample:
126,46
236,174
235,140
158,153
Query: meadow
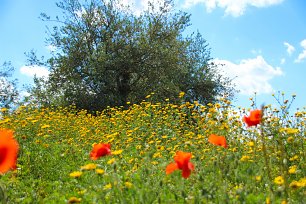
262,163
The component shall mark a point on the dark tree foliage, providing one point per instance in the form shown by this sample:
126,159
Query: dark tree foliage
8,91
106,56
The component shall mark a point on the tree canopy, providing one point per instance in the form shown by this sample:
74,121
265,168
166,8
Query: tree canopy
105,55
8,91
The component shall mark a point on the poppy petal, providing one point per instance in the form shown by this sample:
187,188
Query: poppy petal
217,140
8,151
100,150
254,118
186,173
171,167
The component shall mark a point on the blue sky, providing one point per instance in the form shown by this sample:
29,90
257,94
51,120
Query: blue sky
262,43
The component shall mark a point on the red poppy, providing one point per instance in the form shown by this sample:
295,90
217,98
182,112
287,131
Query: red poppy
8,151
217,140
100,150
254,118
181,163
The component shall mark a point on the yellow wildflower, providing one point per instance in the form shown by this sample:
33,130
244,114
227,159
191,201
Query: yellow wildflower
90,166
74,200
111,161
245,158
298,184
117,152
289,130
75,174
107,186
181,94
128,184
279,180
292,169
154,162
294,184
251,144
99,171
258,178
290,139
45,126
294,158
3,109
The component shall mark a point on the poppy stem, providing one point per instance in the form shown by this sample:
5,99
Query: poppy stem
265,154
3,198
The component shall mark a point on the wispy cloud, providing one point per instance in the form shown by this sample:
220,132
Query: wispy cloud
31,71
302,55
51,48
234,8
290,48
282,61
251,75
139,6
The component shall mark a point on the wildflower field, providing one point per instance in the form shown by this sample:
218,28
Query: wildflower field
154,153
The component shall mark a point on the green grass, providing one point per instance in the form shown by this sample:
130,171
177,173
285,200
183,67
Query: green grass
56,142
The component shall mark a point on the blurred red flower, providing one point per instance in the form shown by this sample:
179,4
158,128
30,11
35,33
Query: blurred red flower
181,163
254,118
8,151
217,140
100,150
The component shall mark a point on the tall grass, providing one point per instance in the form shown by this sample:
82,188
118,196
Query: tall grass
262,164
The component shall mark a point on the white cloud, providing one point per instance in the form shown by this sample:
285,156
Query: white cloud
302,55
34,70
251,75
51,48
232,7
290,48
283,60
139,6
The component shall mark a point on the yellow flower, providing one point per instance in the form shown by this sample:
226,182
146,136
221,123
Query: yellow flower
82,192
154,162
295,157
111,161
279,180
251,144
302,182
289,130
75,174
157,155
117,152
181,94
99,171
294,184
298,184
45,126
258,178
290,139
3,110
292,169
128,184
89,166
74,200
107,186
245,158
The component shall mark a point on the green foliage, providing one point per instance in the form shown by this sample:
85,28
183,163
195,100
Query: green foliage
107,56
8,90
